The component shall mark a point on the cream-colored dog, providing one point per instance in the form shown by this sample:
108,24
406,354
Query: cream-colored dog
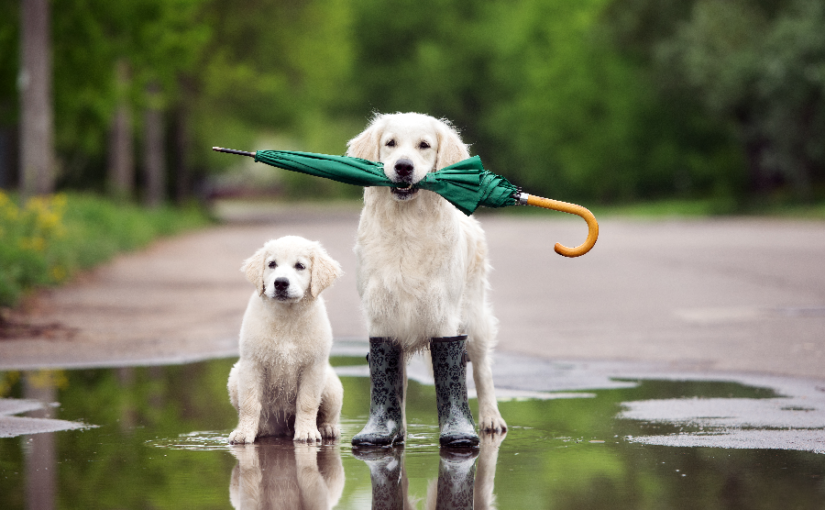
422,263
283,382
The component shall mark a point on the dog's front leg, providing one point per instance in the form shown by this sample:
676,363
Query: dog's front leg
250,383
310,386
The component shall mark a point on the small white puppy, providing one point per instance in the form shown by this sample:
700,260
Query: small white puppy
283,382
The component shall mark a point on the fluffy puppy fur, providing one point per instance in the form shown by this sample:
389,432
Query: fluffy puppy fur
283,382
422,263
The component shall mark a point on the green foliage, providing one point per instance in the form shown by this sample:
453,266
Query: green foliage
757,66
597,100
50,238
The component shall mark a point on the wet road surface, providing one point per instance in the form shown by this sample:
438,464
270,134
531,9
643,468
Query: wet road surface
594,435
680,364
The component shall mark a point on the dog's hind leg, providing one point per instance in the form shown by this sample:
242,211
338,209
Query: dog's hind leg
481,328
329,412
385,425
232,386
455,421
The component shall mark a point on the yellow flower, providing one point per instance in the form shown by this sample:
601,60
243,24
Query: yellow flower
33,243
59,201
58,273
48,378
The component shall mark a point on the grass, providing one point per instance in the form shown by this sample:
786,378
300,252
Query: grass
699,208
48,239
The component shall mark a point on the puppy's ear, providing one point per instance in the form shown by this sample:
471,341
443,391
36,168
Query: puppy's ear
324,271
253,268
365,145
451,149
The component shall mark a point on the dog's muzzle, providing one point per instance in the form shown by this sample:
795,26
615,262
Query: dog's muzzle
281,288
404,170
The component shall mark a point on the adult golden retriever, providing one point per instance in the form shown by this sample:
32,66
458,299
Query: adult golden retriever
422,263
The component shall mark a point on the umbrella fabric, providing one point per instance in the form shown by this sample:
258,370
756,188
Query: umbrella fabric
356,171
465,184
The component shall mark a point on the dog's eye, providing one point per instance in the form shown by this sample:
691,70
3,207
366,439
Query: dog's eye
272,264
300,267
391,143
423,145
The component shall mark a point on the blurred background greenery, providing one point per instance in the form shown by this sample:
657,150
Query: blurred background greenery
630,106
605,101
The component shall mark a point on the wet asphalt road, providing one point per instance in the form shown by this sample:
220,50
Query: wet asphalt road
721,299
732,295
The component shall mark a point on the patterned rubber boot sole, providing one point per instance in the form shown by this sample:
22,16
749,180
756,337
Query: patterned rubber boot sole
385,424
455,421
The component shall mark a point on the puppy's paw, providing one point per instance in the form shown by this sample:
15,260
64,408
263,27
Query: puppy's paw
240,436
306,434
329,431
492,422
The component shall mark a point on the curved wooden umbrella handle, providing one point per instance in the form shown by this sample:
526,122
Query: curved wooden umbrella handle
592,224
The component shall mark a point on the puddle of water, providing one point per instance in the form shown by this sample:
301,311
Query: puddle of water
161,443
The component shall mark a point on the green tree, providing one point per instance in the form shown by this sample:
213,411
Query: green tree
754,65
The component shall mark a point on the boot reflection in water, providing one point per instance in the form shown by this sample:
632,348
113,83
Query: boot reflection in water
456,477
466,477
389,481
282,474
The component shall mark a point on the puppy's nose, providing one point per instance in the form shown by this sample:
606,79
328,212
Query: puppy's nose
404,168
281,283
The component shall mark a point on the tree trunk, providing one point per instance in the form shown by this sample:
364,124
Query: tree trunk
121,150
154,154
35,81
182,172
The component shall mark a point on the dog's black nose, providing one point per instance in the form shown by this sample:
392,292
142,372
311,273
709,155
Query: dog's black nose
404,167
281,283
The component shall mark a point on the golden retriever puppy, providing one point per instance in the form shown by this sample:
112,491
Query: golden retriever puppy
283,383
422,274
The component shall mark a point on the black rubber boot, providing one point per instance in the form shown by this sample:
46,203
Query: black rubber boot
385,425
456,476
450,371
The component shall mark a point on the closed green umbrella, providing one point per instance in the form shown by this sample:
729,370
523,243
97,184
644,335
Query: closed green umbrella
466,184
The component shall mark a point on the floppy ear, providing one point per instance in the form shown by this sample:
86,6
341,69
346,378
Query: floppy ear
451,149
324,271
365,145
253,268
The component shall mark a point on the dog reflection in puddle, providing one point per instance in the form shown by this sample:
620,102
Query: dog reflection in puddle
274,473
277,473
465,477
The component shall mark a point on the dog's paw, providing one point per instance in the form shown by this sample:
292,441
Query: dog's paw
306,434
492,423
239,436
492,440
329,431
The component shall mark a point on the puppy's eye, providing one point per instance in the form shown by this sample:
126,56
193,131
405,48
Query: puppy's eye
300,267
391,143
272,264
423,145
